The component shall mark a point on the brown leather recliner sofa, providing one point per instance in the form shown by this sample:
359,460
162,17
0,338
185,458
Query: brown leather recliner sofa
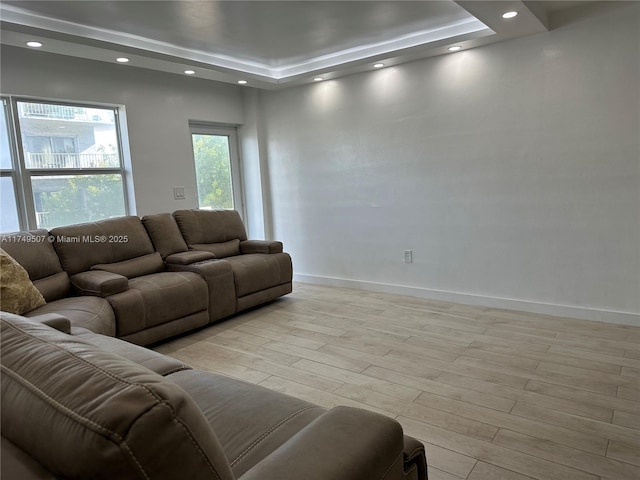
261,271
249,272
115,259
145,280
89,406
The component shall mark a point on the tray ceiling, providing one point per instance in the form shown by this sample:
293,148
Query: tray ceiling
267,43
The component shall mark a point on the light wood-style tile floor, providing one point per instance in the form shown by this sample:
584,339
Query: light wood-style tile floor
493,394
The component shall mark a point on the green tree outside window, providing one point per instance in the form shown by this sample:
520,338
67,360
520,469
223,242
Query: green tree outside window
213,171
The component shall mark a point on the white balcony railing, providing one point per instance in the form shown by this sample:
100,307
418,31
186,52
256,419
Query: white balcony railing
72,160
61,112
56,219
43,219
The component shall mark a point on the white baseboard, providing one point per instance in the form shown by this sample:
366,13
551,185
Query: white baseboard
608,316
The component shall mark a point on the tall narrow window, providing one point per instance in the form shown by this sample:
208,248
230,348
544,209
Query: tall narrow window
216,161
10,215
72,163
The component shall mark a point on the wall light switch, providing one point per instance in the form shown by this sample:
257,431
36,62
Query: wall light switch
178,193
408,256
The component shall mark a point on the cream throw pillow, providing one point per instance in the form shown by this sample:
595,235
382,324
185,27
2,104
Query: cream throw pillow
17,293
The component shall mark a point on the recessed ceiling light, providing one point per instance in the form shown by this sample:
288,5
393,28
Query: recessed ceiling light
34,44
242,82
510,14
189,72
122,59
378,65
318,79
455,48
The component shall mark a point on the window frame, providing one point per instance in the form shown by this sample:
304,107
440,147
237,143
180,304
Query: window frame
14,172
231,132
23,176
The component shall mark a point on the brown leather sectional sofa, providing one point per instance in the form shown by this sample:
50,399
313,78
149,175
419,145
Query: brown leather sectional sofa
145,280
79,403
89,406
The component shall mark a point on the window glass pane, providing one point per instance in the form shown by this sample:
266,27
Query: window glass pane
37,144
9,215
5,151
66,199
67,136
213,171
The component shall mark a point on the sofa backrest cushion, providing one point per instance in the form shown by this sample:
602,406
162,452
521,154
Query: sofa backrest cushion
34,251
164,233
17,292
83,412
135,267
210,226
107,241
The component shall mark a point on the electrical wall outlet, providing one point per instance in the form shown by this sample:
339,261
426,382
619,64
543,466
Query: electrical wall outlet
178,193
408,256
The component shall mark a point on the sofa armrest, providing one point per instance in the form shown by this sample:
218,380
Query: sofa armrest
154,361
187,258
99,283
415,459
54,320
260,246
343,444
219,277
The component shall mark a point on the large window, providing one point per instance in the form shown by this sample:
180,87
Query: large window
65,165
215,152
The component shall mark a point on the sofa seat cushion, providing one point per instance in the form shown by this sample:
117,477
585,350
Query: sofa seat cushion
187,258
256,271
92,313
219,250
156,299
250,421
82,412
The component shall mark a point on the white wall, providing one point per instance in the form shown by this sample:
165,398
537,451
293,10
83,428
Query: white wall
511,171
254,168
158,109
